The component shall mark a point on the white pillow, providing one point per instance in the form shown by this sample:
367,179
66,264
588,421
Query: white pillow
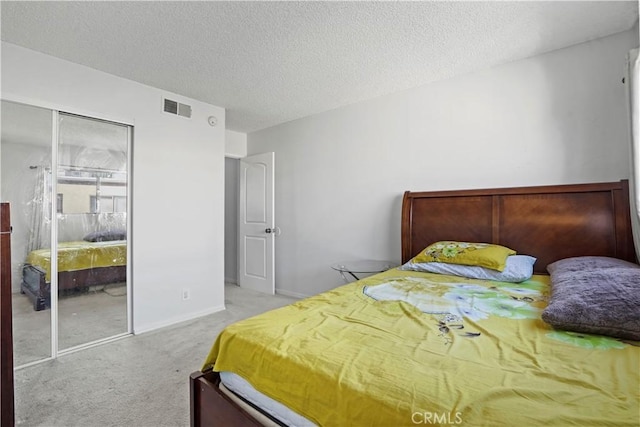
518,269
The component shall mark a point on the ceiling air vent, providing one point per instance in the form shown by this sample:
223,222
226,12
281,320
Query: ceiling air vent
173,107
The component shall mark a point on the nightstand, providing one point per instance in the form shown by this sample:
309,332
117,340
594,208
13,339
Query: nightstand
361,267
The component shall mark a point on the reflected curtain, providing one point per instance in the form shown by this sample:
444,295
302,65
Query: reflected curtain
40,206
632,81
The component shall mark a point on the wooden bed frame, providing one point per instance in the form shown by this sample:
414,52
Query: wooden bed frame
7,416
35,286
548,222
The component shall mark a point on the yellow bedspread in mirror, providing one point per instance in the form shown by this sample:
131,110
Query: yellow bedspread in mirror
81,255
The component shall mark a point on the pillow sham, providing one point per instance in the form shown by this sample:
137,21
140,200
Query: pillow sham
587,263
518,268
105,236
604,302
479,254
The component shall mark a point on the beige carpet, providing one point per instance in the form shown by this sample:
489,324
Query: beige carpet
84,317
136,381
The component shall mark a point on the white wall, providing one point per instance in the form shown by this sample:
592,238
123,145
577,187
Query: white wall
552,119
231,192
178,180
235,144
235,148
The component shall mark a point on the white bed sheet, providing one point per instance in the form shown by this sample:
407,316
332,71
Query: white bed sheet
242,388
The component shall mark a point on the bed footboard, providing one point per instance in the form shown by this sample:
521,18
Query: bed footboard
211,407
35,286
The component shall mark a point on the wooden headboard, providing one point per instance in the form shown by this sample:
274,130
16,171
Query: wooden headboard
547,222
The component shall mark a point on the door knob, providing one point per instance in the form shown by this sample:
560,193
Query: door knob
274,230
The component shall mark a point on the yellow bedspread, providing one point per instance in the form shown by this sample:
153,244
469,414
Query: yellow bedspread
408,348
81,255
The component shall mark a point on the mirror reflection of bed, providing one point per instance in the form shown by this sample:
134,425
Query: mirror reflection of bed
91,301
72,200
91,279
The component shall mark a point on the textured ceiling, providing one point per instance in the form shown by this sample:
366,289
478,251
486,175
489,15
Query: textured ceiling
272,62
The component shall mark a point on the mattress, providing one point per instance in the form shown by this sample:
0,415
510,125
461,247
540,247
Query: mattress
277,410
407,348
81,255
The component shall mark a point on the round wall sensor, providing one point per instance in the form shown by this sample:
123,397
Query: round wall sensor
212,120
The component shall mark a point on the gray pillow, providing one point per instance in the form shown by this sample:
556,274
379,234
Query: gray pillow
105,236
603,302
587,263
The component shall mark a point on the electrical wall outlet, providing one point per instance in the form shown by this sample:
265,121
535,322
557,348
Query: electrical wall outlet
185,294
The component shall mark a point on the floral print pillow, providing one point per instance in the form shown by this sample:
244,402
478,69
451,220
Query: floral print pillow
480,254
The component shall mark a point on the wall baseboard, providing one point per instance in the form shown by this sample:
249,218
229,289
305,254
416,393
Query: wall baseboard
287,293
176,320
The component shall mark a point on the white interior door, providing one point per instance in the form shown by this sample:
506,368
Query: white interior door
256,226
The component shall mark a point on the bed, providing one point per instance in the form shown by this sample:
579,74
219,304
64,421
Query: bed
389,350
81,264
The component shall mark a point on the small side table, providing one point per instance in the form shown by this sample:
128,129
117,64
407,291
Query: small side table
361,267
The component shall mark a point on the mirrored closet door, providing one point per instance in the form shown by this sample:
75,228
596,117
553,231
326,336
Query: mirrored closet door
91,205
66,177
25,152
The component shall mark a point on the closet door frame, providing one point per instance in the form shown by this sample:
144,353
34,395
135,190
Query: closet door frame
56,109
